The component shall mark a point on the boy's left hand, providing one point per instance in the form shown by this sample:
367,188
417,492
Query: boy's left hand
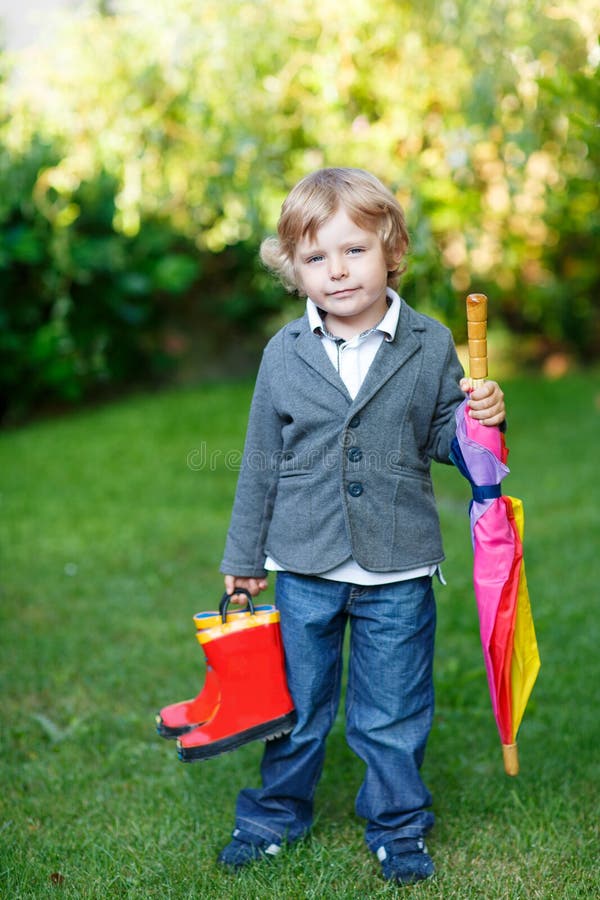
486,402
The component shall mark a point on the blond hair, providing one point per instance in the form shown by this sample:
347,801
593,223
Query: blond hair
316,198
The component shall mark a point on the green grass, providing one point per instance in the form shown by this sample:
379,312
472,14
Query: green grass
111,540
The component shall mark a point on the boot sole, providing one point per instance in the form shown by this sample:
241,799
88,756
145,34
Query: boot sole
171,732
265,732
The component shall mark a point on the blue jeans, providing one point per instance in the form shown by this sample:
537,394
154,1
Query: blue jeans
389,705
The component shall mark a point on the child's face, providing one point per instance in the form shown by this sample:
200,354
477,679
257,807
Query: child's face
344,271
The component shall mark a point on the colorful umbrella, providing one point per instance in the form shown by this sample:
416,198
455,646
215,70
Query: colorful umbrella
507,634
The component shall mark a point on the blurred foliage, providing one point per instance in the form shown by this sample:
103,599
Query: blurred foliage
80,301
146,152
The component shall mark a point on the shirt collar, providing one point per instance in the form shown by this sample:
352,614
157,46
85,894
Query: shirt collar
387,326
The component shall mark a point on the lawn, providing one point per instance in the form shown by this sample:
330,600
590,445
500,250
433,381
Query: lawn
112,524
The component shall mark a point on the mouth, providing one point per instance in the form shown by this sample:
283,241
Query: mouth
342,293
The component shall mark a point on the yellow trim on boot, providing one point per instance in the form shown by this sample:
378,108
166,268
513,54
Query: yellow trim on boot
265,615
209,619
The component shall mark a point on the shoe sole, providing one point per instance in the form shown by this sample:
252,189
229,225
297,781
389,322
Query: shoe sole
268,731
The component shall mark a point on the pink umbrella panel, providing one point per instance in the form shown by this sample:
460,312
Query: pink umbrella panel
506,626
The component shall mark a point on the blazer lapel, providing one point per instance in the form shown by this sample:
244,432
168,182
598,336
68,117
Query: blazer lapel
392,355
309,347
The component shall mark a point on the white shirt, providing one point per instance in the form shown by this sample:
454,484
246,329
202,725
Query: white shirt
352,360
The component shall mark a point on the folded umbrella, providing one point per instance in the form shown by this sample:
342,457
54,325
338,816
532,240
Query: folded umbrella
506,625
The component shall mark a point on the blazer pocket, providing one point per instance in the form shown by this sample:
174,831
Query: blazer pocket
292,524
410,472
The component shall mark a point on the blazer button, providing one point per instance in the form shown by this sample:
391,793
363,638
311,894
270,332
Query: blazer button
354,422
355,454
355,488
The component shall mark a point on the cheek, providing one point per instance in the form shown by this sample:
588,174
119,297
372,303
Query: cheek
306,276
380,272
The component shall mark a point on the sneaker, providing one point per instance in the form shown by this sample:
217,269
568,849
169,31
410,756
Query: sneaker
245,848
405,861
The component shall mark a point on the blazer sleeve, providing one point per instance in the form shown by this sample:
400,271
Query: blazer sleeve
450,396
257,485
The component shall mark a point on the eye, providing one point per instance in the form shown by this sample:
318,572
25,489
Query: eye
353,251
311,259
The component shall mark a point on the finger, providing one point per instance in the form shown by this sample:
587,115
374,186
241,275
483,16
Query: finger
233,587
486,412
256,585
481,406
494,420
493,400
483,392
236,594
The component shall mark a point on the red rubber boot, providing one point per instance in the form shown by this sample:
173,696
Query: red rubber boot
177,718
246,656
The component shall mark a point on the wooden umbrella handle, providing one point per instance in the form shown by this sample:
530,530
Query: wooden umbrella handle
477,334
510,755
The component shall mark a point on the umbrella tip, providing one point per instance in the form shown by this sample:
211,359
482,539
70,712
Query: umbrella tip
510,756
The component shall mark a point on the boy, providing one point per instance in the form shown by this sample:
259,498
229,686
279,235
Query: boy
352,403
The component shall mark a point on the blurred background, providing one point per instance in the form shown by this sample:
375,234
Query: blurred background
146,147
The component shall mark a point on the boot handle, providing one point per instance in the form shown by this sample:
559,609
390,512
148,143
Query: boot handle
226,599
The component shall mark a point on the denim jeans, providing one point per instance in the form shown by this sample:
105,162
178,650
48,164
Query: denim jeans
389,705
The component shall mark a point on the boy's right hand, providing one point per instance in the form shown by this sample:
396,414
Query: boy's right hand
253,585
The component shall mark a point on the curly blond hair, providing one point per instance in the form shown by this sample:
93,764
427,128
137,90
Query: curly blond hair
316,198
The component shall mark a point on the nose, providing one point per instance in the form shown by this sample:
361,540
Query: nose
337,269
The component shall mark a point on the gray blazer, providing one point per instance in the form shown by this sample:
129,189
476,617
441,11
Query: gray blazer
325,477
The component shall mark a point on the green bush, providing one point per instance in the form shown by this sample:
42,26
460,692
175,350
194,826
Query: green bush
82,304
566,304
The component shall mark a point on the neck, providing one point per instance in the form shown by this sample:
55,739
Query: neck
347,327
